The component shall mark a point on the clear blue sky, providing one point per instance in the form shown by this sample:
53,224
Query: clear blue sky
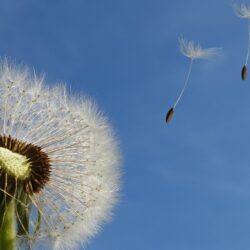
186,185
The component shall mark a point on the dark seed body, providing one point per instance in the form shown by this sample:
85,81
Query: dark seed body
244,73
169,115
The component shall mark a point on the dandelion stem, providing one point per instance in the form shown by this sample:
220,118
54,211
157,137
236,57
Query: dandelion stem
7,229
185,84
248,47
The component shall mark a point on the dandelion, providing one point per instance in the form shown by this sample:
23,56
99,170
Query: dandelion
243,11
59,175
192,51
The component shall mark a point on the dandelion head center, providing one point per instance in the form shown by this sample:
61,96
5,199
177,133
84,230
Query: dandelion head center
14,164
22,165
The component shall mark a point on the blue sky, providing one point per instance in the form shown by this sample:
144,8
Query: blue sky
186,185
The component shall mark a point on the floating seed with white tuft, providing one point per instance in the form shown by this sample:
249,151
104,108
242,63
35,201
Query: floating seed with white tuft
243,11
193,52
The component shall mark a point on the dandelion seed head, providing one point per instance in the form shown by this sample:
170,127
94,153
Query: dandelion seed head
190,50
242,10
69,155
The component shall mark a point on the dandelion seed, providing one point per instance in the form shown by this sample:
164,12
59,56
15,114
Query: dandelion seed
192,51
59,174
243,11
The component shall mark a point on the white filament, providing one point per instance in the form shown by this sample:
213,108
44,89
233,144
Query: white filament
185,83
248,47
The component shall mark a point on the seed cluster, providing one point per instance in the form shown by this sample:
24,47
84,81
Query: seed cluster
60,164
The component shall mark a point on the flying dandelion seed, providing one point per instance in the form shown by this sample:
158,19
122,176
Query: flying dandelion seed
59,175
193,52
243,11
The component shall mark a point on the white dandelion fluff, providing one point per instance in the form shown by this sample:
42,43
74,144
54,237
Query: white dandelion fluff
243,11
59,163
192,51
